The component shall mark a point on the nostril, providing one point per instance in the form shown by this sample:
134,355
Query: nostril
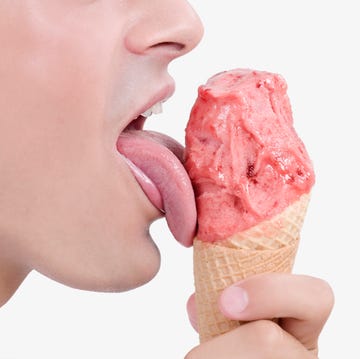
164,30
170,45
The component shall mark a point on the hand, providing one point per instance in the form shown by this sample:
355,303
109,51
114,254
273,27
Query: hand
301,303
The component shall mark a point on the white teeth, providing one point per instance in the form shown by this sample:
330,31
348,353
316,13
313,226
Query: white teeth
156,109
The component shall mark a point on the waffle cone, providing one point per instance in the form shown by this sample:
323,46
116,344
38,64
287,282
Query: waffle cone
270,246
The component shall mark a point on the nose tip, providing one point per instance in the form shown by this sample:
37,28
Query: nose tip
187,31
170,27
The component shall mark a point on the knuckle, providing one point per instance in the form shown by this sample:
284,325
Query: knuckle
193,354
325,298
189,355
269,335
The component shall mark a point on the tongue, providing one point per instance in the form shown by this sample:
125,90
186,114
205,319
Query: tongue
160,158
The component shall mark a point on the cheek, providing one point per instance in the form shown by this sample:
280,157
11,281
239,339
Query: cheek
58,69
78,213
53,106
75,209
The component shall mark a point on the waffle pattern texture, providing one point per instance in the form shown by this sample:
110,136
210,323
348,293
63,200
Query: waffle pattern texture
270,246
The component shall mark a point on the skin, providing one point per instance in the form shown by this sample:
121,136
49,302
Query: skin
72,72
303,309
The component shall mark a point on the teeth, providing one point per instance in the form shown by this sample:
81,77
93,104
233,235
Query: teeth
156,109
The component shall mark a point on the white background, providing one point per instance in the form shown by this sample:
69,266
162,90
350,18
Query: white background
315,46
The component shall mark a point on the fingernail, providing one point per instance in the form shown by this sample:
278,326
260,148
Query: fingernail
234,300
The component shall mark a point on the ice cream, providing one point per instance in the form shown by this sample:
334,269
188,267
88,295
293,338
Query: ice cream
252,177
243,155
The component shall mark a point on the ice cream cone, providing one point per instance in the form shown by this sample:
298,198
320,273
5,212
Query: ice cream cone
270,246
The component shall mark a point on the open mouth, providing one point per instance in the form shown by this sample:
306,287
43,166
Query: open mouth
156,161
138,123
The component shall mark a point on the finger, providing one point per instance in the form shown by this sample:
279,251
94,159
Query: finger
304,303
261,339
191,310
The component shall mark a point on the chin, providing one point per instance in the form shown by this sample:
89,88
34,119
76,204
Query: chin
138,269
143,271
137,265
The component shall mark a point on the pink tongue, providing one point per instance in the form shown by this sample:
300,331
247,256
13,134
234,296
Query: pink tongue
160,158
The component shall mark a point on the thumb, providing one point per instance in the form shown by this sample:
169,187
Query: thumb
301,303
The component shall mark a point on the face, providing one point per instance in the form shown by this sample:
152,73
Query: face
74,75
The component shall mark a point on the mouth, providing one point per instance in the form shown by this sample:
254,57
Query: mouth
156,161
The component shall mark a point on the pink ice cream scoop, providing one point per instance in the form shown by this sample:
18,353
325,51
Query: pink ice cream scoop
243,156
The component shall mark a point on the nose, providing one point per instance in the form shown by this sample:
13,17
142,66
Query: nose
167,27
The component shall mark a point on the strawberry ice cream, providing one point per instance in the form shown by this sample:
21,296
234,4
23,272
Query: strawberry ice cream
244,158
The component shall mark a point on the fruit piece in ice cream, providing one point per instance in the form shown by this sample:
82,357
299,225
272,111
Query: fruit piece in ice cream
244,158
